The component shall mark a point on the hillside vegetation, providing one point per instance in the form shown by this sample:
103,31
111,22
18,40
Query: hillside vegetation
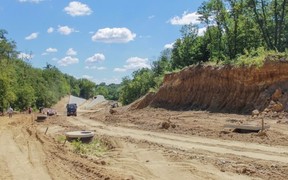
238,33
23,86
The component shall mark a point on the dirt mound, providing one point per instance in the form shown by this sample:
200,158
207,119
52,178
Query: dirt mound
223,89
142,102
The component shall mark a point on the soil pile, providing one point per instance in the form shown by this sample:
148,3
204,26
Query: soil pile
225,89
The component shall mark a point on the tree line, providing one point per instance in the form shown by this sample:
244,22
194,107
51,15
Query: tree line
22,86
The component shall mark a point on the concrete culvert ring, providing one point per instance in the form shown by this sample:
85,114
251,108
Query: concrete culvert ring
79,135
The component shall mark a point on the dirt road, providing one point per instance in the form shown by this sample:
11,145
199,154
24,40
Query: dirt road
189,144
139,149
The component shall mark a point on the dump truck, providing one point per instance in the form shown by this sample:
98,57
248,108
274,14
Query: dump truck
71,109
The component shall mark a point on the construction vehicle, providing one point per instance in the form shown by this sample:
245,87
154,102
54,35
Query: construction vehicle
71,109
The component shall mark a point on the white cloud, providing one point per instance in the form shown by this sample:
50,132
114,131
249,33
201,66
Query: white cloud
65,30
87,77
120,69
134,63
76,8
201,31
32,36
95,58
169,46
25,56
50,30
186,18
31,1
51,50
95,67
71,52
113,35
67,61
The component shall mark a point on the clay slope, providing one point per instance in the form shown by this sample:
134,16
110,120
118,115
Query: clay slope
225,89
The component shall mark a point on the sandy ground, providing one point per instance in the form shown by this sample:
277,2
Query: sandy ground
194,146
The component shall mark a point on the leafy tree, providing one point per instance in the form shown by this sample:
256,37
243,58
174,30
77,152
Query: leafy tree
271,15
25,97
140,84
190,49
110,92
87,88
102,90
7,48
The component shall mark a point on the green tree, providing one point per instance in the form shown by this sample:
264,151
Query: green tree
7,48
25,97
87,88
271,15
131,90
163,64
102,90
190,49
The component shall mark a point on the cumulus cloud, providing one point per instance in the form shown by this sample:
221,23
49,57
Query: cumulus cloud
65,30
169,46
50,30
51,50
31,1
134,63
95,58
32,36
76,8
25,56
68,60
120,69
71,52
113,35
96,68
186,18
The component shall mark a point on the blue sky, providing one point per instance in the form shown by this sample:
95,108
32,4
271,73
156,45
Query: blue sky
102,40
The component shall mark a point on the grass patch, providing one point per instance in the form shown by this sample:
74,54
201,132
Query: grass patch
61,138
258,57
95,147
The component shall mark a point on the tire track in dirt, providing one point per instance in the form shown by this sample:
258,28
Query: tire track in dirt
20,160
146,162
192,143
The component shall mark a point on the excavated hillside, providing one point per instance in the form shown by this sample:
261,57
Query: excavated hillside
224,89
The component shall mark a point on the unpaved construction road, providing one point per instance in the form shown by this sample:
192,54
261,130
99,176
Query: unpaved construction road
196,147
